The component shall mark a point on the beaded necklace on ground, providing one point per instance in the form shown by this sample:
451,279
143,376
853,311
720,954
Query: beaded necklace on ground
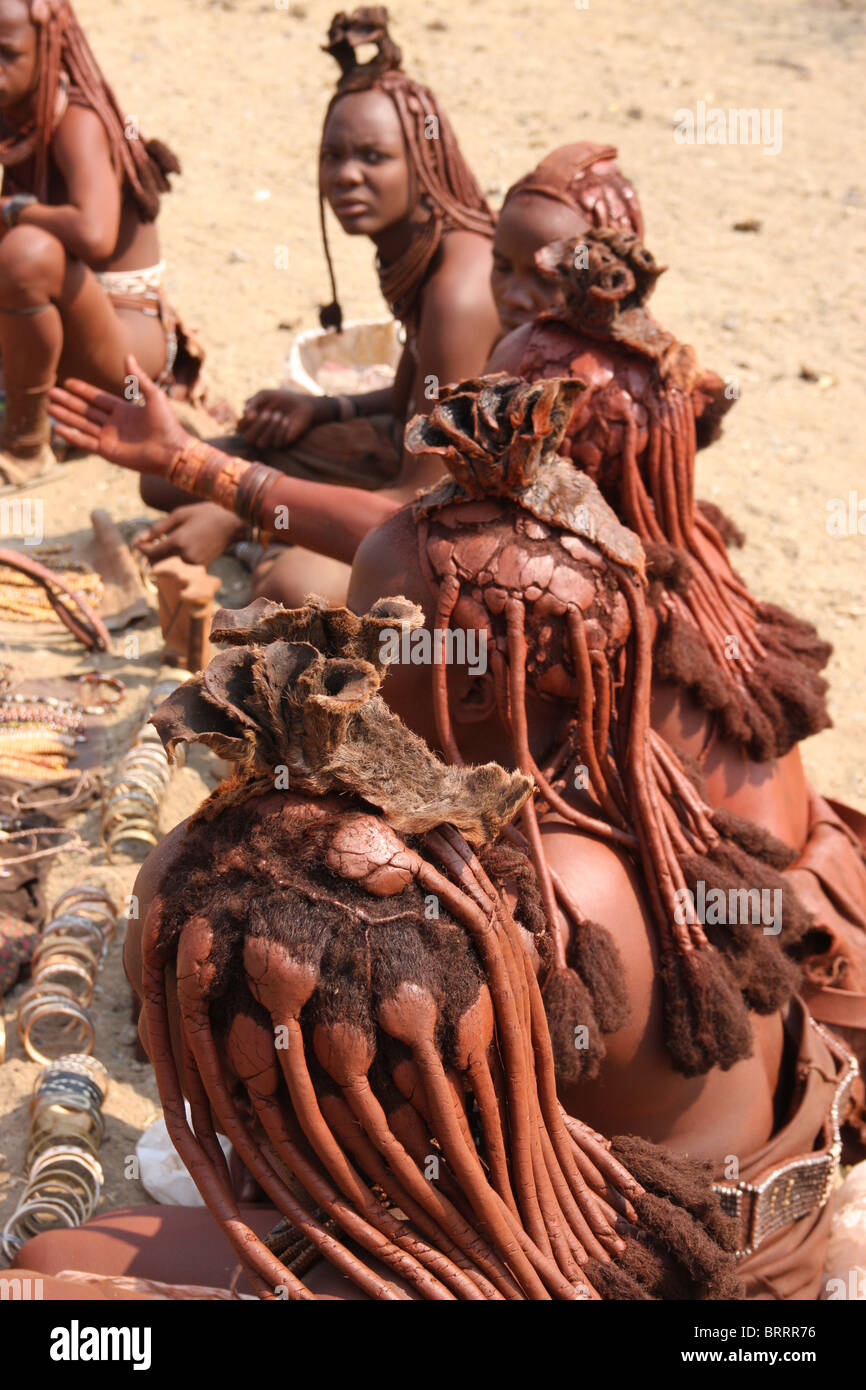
22,600
39,733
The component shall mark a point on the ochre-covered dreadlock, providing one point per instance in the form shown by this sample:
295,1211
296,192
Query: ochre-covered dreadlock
635,433
441,178
542,565
386,1078
70,75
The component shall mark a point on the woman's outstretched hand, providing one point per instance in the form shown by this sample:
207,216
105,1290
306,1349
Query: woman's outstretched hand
142,435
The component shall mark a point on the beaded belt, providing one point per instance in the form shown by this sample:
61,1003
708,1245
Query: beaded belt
792,1189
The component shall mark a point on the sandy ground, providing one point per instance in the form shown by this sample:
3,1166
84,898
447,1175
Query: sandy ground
238,88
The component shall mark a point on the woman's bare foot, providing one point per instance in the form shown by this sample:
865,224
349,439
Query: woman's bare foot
16,471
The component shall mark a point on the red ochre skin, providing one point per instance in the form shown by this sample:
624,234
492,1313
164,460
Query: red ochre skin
390,175
573,188
551,1195
773,792
637,1089
84,222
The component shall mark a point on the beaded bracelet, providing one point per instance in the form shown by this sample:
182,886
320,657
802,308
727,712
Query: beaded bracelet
78,1064
64,1175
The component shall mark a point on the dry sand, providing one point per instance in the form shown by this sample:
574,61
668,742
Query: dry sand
238,88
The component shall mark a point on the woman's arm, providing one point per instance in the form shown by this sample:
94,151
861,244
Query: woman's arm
323,517
458,327
319,516
89,224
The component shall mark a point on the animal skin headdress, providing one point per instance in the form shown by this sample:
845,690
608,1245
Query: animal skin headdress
556,585
68,74
441,178
754,664
583,176
385,1074
299,689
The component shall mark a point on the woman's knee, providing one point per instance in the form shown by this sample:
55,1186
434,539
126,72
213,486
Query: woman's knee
295,573
32,265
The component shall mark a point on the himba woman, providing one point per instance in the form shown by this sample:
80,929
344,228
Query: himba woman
521,549
736,681
352,1001
80,269
574,188
390,169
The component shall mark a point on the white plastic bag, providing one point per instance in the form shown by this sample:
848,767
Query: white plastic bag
161,1169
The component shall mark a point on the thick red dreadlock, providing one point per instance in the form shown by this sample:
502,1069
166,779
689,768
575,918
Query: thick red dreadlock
69,74
542,565
635,433
387,1079
441,178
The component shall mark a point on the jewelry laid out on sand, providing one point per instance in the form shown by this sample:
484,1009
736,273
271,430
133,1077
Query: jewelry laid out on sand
39,734
18,941
63,796
68,604
63,969
130,808
23,600
64,1175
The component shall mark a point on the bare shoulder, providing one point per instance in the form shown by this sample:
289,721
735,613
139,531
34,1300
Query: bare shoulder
507,355
605,888
150,878
79,129
462,275
383,560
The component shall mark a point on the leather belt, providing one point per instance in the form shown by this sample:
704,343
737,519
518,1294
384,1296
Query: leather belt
790,1190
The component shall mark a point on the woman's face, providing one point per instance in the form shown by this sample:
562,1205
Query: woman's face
526,223
18,67
363,169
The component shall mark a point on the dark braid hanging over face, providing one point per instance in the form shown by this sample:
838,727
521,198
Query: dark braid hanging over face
556,582
68,70
363,1055
635,434
441,178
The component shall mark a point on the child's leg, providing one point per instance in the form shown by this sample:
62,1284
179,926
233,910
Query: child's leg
55,317
32,264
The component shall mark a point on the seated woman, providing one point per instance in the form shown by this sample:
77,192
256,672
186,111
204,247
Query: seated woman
352,1002
391,170
574,187
820,850
521,548
80,270
522,553
736,682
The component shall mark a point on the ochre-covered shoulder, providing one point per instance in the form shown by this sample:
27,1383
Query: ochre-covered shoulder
150,877
386,557
507,356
